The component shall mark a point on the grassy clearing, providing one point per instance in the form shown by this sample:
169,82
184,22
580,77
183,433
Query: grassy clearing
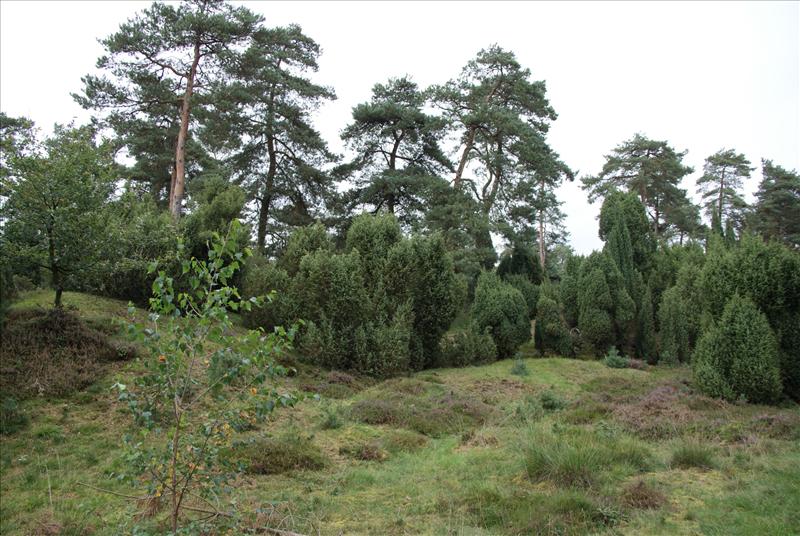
573,447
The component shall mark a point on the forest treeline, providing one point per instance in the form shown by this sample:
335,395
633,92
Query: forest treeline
203,114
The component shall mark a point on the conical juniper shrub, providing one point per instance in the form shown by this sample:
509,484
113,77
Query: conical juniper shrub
738,357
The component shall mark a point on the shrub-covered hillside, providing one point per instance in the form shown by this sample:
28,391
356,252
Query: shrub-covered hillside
570,447
212,323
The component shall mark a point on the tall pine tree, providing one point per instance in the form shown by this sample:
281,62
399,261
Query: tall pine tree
721,185
398,156
155,70
777,210
650,168
262,120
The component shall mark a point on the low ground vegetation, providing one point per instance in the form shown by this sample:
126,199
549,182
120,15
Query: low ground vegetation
573,447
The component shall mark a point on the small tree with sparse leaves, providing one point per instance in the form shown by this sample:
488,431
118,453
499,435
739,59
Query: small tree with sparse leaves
201,382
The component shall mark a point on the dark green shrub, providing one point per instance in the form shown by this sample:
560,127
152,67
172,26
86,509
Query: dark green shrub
520,260
674,336
738,356
679,314
139,234
467,347
381,348
551,330
260,278
501,308
328,290
568,290
322,345
216,202
769,275
627,208
646,331
529,291
12,419
605,309
302,241
420,271
551,401
373,236
520,368
614,360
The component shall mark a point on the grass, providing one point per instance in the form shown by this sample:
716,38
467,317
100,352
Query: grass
691,454
282,454
447,451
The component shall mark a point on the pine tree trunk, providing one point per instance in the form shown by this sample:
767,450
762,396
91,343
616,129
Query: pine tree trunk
266,200
263,218
541,240
178,185
470,141
721,189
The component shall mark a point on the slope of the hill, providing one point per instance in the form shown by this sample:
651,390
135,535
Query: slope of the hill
572,447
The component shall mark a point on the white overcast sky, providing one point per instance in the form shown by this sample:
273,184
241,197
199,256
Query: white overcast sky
703,76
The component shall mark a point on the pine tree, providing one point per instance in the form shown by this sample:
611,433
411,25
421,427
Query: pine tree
156,65
650,168
721,184
398,155
262,120
777,210
503,118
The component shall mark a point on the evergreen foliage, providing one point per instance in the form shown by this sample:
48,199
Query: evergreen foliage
467,347
650,168
263,121
398,155
605,309
674,334
551,332
769,275
501,308
721,184
419,271
529,291
372,237
261,277
620,207
302,241
158,71
777,209
503,117
738,357
646,331
520,260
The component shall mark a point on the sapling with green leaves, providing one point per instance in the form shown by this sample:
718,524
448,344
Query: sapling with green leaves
202,381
